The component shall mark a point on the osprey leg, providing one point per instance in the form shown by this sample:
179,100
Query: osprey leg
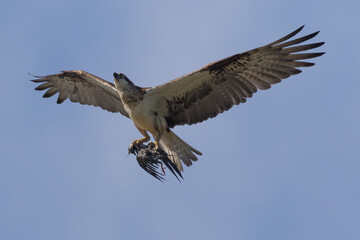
146,137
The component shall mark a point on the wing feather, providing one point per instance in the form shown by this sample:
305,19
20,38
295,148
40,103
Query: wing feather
81,87
218,86
50,92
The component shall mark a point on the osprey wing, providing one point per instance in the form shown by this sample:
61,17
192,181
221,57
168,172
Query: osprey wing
218,86
82,87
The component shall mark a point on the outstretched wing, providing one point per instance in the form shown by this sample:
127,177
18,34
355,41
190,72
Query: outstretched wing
82,87
218,86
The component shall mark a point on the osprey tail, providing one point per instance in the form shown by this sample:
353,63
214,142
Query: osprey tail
177,149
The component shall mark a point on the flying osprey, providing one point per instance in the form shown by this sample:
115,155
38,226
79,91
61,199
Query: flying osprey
189,99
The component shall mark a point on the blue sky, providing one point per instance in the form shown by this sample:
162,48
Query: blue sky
285,165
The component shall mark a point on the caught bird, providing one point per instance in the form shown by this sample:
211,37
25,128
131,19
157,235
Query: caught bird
189,99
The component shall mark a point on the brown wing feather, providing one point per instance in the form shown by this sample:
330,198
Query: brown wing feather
81,87
218,86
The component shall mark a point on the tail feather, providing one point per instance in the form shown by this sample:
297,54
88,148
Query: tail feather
178,150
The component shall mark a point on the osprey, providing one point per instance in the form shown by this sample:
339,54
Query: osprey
189,99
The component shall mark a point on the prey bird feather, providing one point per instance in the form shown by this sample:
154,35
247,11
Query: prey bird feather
189,99
150,158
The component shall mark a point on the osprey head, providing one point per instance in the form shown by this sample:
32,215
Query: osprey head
122,82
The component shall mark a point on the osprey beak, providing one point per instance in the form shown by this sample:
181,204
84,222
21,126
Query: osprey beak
115,75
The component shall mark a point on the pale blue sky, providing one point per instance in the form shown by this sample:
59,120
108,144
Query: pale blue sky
285,165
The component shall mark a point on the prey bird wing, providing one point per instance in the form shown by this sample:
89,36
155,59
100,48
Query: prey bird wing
82,87
218,86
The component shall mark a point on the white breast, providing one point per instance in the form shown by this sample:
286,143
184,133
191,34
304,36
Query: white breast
143,116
